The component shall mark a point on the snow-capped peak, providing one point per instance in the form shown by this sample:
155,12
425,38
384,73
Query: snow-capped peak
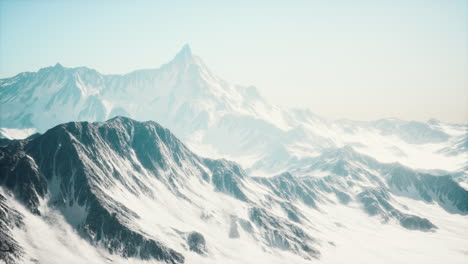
184,55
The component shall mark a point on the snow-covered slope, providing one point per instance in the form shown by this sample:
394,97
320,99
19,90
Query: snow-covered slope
135,190
125,190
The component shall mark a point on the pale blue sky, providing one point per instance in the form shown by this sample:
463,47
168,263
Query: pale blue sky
343,59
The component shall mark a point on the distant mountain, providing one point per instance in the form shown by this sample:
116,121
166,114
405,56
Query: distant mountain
183,93
219,119
127,190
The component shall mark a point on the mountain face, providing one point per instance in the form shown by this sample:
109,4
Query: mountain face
89,171
10,250
132,190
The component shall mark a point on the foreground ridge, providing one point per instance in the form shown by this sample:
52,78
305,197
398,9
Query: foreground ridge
136,191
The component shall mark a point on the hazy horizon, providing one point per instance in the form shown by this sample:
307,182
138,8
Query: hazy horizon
359,61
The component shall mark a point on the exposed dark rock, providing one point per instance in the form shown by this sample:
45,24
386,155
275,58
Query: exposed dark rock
415,222
19,173
10,251
376,202
197,243
441,189
343,197
227,177
291,188
6,141
282,234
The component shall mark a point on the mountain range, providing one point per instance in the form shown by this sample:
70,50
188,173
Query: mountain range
204,110
299,189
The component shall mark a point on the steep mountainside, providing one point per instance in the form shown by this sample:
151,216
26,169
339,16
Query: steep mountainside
127,190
